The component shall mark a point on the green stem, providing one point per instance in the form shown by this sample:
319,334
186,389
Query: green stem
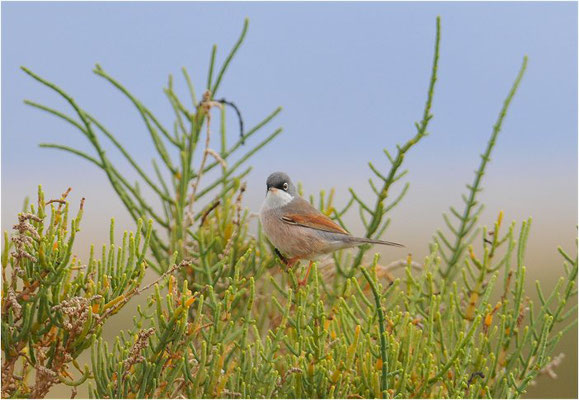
381,322
475,187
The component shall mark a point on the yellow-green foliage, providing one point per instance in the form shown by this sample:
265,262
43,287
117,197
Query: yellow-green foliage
251,331
265,336
227,320
53,306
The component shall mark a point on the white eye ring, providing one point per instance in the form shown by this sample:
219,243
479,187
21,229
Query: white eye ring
285,186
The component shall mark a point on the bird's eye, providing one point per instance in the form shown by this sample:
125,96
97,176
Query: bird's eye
285,186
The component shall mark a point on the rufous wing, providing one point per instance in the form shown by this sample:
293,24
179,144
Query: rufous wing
315,221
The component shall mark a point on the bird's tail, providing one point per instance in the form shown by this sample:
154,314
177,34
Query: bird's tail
375,241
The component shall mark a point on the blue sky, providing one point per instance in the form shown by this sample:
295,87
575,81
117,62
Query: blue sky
351,77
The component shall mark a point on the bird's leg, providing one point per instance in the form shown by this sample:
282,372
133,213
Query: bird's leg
288,262
304,281
280,256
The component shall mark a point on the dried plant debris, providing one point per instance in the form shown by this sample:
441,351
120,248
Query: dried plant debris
53,308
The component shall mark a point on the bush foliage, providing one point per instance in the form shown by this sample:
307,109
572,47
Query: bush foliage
224,320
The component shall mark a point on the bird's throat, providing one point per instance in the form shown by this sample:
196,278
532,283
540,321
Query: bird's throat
276,198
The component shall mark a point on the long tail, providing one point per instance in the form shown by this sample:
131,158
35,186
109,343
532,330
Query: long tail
374,241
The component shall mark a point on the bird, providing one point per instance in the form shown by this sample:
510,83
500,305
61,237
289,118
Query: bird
297,230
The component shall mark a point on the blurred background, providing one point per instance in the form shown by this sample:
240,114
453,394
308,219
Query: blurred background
351,78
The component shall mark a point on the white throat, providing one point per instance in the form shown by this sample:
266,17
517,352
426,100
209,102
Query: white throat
275,199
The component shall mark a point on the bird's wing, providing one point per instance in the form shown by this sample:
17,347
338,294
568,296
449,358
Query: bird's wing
300,212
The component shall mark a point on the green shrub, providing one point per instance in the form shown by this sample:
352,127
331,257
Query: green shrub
225,321
53,307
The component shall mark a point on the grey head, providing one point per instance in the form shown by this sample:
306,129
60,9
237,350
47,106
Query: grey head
281,181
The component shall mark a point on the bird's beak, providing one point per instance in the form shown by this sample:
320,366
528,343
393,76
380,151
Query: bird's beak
271,189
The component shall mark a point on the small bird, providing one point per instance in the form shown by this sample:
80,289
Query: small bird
297,229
